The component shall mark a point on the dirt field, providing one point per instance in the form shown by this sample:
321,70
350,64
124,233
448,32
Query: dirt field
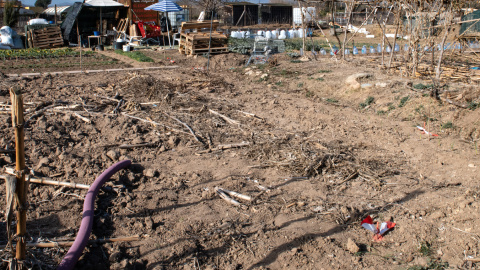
316,155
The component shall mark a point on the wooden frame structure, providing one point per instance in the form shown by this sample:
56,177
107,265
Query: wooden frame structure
196,41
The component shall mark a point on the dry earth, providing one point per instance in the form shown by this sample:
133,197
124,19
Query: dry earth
316,164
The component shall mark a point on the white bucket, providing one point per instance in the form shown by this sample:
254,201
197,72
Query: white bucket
126,48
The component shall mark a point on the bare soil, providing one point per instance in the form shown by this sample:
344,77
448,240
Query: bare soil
316,164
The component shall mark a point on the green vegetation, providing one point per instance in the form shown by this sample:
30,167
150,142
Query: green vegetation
309,94
10,13
381,112
320,79
473,105
425,248
433,264
300,85
367,102
135,55
403,101
324,71
41,53
447,125
279,83
331,100
295,61
421,86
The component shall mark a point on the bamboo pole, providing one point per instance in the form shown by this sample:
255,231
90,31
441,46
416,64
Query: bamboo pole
22,186
48,181
70,243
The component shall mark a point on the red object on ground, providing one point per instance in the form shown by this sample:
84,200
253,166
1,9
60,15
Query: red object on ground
149,29
379,229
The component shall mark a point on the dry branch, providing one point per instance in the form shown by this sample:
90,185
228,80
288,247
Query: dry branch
225,146
155,123
188,127
227,119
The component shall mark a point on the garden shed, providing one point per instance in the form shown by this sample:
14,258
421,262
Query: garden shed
277,13
471,29
243,13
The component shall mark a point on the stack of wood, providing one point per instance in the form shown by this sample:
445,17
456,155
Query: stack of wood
45,38
197,42
457,73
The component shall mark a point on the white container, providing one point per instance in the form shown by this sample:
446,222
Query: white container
126,48
283,35
260,33
300,32
309,14
247,34
274,34
176,18
291,33
268,35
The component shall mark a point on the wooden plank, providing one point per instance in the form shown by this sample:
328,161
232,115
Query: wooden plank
196,25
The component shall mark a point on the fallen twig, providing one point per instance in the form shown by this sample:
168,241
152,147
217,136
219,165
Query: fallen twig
349,178
84,119
225,146
224,196
155,123
227,119
188,127
250,114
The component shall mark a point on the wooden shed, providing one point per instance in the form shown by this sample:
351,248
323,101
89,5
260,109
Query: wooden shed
277,13
243,13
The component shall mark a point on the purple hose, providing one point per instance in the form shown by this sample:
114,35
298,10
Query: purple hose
81,240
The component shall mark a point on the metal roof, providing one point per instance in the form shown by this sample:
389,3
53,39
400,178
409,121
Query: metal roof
51,10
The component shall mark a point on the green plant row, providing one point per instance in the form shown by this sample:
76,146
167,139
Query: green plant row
297,44
136,55
41,53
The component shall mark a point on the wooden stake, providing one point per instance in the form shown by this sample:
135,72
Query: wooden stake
22,187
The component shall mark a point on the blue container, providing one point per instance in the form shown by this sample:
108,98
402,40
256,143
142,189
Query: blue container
96,33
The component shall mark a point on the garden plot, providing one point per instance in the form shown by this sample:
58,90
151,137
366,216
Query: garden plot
312,160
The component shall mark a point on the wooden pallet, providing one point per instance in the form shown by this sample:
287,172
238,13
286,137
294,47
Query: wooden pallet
199,42
45,38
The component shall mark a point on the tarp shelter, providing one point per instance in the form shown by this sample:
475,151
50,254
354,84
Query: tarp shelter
277,13
243,13
471,29
102,4
88,20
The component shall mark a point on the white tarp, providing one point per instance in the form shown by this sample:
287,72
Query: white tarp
51,10
102,3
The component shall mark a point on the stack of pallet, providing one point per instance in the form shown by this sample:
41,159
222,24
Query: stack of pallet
197,41
45,38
